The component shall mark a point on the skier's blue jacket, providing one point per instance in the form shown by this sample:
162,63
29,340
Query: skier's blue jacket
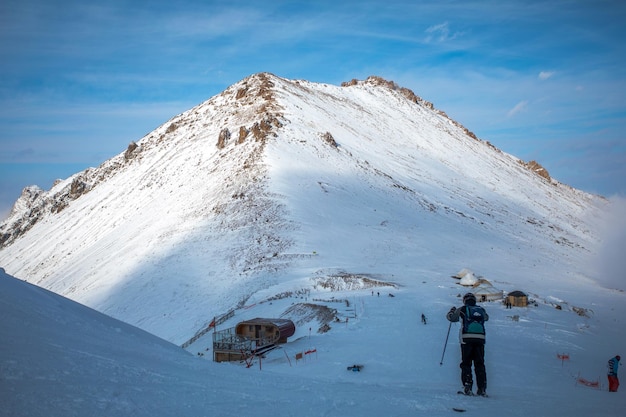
464,313
613,365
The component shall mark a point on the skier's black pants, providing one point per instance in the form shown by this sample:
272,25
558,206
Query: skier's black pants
473,351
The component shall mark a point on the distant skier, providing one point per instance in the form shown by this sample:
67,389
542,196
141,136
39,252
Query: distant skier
423,319
472,343
612,374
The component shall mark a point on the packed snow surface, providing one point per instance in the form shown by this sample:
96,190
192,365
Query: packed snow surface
59,358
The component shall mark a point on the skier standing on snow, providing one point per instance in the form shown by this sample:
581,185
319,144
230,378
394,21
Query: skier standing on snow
612,374
472,343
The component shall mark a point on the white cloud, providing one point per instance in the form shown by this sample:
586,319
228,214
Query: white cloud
544,75
611,262
519,107
5,210
438,33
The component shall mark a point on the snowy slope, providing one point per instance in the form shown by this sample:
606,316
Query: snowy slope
258,185
62,359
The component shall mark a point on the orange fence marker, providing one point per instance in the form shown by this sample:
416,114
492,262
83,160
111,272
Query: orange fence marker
563,357
591,384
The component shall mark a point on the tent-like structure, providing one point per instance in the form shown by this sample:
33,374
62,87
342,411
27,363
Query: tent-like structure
466,277
461,273
469,280
485,291
517,299
479,286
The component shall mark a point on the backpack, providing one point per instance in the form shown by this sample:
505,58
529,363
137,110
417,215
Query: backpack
474,321
612,365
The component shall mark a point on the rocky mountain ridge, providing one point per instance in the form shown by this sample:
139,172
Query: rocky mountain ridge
34,201
247,189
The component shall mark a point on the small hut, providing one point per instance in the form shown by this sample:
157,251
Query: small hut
517,299
266,331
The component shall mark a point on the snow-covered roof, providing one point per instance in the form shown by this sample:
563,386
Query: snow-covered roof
486,288
462,273
469,279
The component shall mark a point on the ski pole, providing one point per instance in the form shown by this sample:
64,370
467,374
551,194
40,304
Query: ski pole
445,345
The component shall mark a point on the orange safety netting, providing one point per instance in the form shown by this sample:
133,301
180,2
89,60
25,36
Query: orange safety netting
587,383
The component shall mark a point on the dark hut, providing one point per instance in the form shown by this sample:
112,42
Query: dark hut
517,299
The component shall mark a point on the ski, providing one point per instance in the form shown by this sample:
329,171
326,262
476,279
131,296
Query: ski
472,394
460,410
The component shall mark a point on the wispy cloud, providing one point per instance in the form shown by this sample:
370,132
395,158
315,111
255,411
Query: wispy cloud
544,75
24,154
439,33
519,107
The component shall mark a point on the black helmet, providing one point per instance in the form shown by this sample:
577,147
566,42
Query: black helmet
469,299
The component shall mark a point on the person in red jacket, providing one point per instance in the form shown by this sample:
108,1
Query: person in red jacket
472,343
612,374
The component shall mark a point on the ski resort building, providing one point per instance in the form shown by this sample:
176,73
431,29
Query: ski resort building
250,338
517,299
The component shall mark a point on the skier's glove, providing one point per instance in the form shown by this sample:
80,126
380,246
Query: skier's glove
453,309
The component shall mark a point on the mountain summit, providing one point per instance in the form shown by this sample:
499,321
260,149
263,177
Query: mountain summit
276,180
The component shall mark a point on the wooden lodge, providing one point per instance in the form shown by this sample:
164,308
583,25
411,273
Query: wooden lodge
250,338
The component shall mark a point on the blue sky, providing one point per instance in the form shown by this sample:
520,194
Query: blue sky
540,80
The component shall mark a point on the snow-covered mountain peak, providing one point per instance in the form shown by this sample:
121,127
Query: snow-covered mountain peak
274,180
